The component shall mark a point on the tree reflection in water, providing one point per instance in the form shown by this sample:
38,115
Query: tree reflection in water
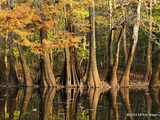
125,96
93,102
27,95
70,97
113,110
3,103
70,104
154,95
47,97
12,101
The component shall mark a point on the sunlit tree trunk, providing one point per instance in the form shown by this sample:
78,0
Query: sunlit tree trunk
12,77
148,73
69,76
112,75
27,76
124,82
5,49
93,79
124,36
110,51
93,102
125,97
154,82
47,76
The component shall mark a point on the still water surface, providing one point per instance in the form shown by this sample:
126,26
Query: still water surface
73,104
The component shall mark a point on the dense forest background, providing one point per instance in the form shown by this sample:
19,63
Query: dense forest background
66,42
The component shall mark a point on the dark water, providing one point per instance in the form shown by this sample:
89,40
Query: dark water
73,104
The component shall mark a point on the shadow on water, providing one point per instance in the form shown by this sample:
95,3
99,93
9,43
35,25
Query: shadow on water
71,104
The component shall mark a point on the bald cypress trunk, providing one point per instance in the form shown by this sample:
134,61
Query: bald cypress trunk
124,36
69,76
27,76
154,82
124,82
3,77
112,74
148,73
110,47
12,77
47,76
93,79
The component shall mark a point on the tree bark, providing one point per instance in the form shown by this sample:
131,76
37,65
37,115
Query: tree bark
3,77
148,72
125,46
12,77
47,76
124,36
112,77
77,64
5,49
27,76
124,82
93,79
69,76
110,51
154,82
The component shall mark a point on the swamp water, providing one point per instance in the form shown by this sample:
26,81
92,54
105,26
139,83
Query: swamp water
73,104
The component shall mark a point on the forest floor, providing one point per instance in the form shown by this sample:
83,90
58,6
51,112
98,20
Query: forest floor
136,80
